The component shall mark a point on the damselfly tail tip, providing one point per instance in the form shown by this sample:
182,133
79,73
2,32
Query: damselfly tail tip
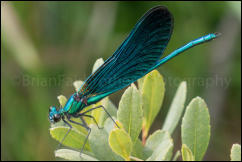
217,34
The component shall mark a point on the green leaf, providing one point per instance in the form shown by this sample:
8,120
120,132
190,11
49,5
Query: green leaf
176,108
73,155
110,107
97,64
196,127
138,149
130,112
62,100
109,125
235,154
153,91
187,153
74,139
140,83
161,143
99,114
121,143
99,143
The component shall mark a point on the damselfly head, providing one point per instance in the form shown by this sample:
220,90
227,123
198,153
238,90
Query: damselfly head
54,115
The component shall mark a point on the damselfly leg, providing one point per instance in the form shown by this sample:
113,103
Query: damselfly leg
101,106
83,124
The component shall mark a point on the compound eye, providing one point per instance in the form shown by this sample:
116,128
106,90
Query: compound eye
57,117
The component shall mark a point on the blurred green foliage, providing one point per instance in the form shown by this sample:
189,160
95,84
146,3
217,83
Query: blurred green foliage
48,45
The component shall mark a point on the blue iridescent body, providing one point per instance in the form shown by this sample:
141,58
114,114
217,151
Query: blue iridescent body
138,55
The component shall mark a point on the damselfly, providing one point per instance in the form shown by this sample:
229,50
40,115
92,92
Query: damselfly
138,55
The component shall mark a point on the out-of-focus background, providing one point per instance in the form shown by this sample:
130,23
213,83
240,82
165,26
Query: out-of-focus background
45,46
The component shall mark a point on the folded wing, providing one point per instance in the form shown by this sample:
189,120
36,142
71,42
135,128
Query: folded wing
136,55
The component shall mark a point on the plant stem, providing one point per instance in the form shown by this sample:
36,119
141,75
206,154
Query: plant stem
144,135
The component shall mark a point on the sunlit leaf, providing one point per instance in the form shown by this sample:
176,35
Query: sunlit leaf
130,112
196,127
176,109
62,100
74,139
97,64
73,155
99,143
187,153
121,143
138,150
77,84
161,143
235,154
153,90
100,114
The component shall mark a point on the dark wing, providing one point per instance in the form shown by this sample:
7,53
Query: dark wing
136,55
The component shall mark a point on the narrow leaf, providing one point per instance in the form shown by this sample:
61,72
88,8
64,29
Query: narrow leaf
235,154
73,155
176,108
196,127
187,153
153,91
130,112
121,143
